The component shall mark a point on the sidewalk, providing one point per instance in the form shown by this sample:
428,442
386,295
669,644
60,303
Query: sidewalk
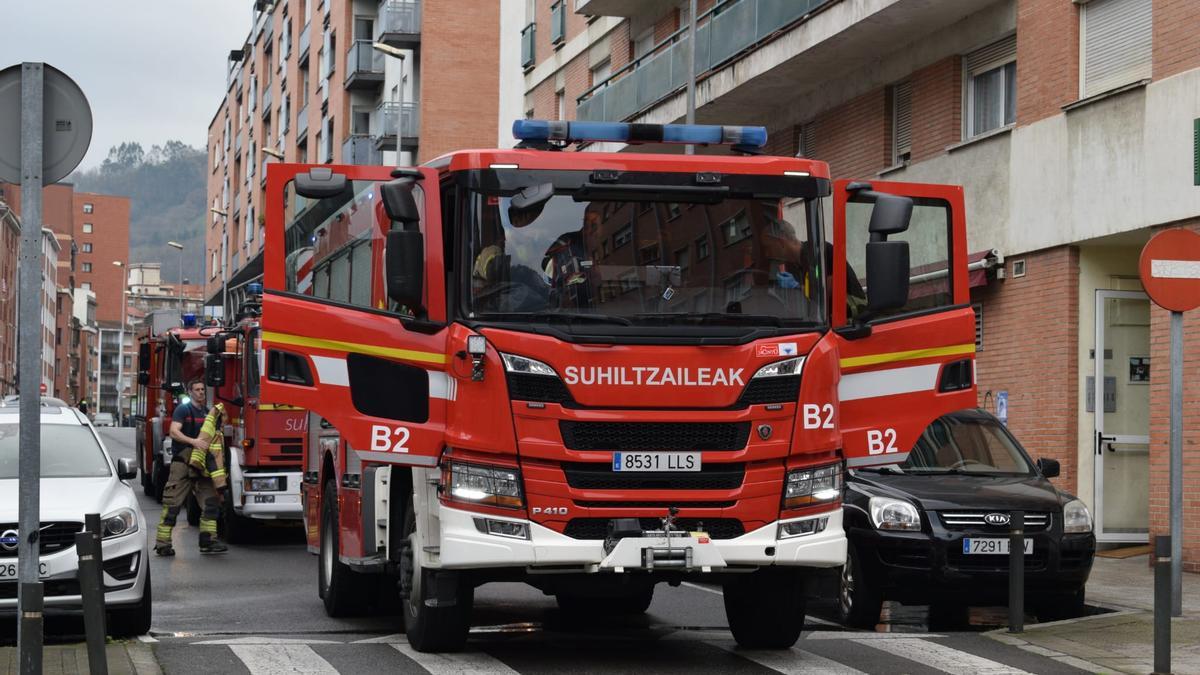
124,658
1121,641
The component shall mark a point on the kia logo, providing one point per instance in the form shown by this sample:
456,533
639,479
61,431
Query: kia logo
997,519
9,540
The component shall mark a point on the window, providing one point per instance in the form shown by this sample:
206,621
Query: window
601,72
643,43
683,261
87,285
560,105
929,247
327,154
87,267
736,228
901,122
87,228
1116,39
212,266
558,23
623,236
701,248
88,208
87,247
991,87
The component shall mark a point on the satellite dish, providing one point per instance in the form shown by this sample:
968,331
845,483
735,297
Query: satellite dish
66,124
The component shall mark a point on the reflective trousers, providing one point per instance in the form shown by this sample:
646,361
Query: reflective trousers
183,481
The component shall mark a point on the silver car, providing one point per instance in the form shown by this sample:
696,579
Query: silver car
78,477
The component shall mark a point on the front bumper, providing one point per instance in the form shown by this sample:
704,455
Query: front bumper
276,504
463,546
60,583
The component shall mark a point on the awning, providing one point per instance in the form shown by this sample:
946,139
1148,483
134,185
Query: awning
931,279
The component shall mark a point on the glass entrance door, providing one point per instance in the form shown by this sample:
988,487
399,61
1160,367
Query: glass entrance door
1121,399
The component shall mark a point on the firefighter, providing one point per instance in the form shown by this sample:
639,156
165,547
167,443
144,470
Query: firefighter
194,428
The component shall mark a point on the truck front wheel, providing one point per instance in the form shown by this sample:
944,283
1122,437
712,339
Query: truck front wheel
765,609
342,589
431,629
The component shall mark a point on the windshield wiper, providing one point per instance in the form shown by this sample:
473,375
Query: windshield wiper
564,317
715,316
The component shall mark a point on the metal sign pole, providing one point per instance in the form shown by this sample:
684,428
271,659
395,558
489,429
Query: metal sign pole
1176,451
691,81
29,333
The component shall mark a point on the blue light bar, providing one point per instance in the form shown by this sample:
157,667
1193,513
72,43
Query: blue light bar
750,138
189,320
254,288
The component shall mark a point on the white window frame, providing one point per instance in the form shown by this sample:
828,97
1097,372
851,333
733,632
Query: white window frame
969,75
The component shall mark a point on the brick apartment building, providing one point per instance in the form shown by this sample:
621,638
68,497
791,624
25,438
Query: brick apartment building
307,86
10,243
91,242
1069,123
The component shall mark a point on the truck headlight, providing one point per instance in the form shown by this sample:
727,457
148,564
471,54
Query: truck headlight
265,484
888,513
817,485
780,368
521,364
477,484
118,523
1076,518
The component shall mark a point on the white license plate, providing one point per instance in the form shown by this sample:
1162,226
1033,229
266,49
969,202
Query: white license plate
264,499
992,546
8,570
656,461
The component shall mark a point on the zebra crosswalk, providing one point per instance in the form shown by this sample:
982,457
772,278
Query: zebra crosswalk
818,653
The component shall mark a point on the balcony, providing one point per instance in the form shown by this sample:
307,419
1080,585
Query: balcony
625,8
364,67
268,33
302,125
359,149
558,23
305,40
383,122
724,32
528,53
400,24
237,145
266,101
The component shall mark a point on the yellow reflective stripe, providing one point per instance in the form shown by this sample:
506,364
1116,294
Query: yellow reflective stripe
889,357
277,406
356,347
218,473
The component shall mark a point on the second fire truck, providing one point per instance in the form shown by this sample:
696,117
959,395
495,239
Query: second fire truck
597,372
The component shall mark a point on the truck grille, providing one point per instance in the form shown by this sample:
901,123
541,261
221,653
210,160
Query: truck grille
973,520
717,528
540,388
601,477
654,435
771,390
54,537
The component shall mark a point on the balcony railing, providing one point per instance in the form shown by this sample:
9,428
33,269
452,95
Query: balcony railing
400,23
723,32
237,145
558,22
360,150
528,54
364,66
301,124
266,100
383,124
305,39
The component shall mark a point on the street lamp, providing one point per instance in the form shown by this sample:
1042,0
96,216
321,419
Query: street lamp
273,153
179,247
391,51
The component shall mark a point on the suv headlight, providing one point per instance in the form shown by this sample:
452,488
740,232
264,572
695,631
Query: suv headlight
813,485
477,484
118,524
1076,518
888,513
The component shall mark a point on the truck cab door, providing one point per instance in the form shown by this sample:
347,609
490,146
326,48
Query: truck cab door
332,342
903,367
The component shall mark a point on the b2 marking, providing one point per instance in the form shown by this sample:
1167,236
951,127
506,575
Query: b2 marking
881,441
812,416
382,438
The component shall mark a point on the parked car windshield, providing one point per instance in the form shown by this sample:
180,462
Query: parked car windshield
68,451
958,444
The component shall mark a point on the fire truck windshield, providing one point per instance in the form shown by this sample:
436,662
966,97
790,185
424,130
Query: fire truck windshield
558,248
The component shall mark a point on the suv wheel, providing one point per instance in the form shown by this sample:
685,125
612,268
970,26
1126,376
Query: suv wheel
859,599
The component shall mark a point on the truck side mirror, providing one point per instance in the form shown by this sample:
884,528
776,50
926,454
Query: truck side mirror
890,215
320,183
143,378
214,370
216,344
404,267
887,275
398,201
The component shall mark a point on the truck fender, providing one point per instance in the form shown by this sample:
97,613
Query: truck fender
234,469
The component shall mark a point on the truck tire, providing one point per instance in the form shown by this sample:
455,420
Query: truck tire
430,629
765,609
1059,606
148,481
158,476
344,591
859,600
629,605
127,622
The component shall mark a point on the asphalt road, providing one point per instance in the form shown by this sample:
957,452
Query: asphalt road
255,610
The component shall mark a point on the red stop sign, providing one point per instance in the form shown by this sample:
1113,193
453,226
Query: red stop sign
1170,269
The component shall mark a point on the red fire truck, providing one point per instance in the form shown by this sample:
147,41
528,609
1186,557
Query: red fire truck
594,372
265,442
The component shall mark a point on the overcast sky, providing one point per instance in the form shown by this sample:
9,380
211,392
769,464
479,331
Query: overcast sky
153,70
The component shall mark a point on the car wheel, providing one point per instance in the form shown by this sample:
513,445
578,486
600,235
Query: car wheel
629,604
1059,606
344,591
430,629
859,599
126,622
765,609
